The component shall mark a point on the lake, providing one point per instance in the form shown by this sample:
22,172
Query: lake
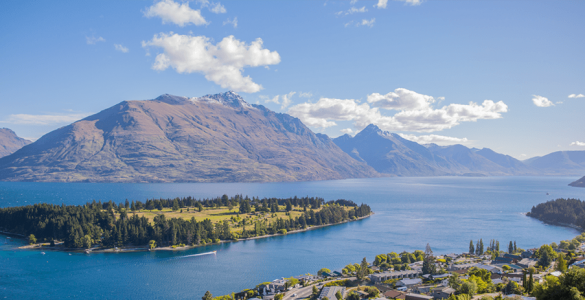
445,212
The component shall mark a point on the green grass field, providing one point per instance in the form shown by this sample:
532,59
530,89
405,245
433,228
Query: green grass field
223,213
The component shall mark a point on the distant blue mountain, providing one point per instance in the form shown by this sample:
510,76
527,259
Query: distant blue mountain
391,154
559,163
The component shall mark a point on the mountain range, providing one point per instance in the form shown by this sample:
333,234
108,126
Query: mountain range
214,138
10,142
390,153
222,138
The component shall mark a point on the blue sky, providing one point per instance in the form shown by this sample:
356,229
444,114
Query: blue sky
410,67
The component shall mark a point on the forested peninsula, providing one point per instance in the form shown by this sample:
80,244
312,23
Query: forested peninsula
172,224
564,212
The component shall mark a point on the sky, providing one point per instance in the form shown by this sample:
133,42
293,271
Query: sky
506,75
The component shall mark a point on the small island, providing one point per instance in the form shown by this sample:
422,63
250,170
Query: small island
171,224
578,183
562,212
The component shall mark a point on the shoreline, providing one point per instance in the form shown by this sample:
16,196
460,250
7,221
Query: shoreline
576,227
41,246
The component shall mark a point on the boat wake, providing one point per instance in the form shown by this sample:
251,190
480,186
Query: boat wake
199,254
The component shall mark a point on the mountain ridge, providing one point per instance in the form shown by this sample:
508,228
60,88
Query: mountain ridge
10,142
213,138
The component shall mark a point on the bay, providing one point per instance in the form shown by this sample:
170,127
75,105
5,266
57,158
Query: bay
445,212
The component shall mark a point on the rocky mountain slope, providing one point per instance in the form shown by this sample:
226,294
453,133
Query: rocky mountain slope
389,153
569,163
214,138
10,142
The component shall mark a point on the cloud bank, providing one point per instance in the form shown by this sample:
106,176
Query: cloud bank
222,63
43,119
415,112
577,143
576,96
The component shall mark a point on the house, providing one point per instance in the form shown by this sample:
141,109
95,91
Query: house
443,292
497,281
394,294
461,267
556,273
580,264
383,288
513,257
503,260
440,276
453,256
489,268
417,297
362,294
526,254
409,282
380,277
304,278
330,291
336,274
527,263
521,297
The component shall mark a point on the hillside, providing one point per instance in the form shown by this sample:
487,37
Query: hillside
214,138
578,183
10,142
568,163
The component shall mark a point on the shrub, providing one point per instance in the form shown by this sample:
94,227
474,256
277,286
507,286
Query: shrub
282,231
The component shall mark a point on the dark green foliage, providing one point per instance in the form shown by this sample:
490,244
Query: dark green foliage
570,285
97,220
560,211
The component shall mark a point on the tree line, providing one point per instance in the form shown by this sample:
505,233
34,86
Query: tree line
109,224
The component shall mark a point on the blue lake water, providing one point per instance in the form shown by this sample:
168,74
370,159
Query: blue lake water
409,213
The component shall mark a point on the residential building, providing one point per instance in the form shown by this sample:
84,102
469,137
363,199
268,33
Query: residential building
409,282
380,277
417,297
330,292
527,263
394,294
443,292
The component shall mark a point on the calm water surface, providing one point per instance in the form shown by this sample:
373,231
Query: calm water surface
410,212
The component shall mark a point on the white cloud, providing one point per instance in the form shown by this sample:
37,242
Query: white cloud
414,116
354,10
381,4
347,131
541,101
305,95
286,100
173,12
217,8
576,96
412,2
364,22
234,22
43,119
577,143
435,139
92,40
352,2
401,99
273,100
121,48
222,63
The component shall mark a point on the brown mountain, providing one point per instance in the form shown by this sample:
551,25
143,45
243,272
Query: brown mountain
578,183
10,142
214,138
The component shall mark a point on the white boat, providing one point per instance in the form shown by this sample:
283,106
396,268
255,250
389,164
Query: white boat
87,251
43,253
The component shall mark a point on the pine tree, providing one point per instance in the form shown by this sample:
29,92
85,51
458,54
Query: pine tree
429,261
530,285
511,248
207,296
524,282
480,247
471,247
497,246
515,249
561,263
